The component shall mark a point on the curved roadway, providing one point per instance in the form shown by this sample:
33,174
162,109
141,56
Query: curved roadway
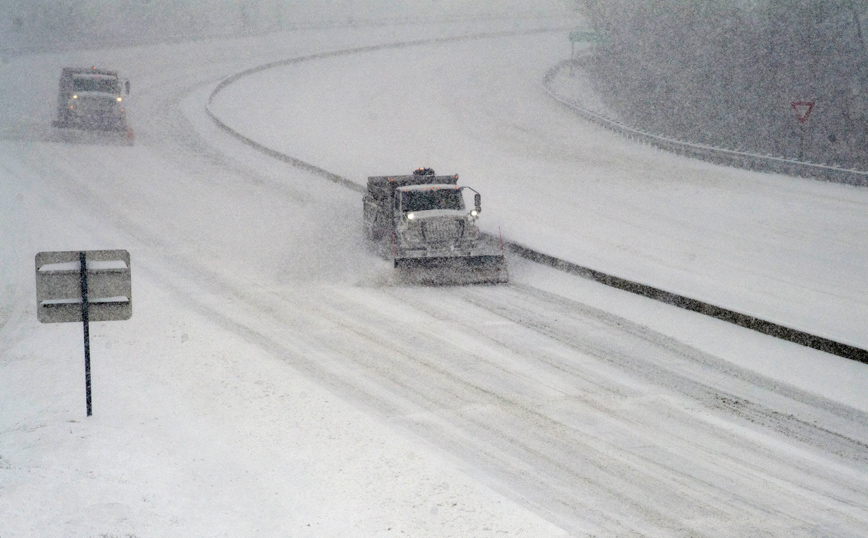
600,424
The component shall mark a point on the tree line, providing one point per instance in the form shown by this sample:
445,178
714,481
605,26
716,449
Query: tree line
727,72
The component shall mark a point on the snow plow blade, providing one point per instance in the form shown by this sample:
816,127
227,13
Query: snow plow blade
451,270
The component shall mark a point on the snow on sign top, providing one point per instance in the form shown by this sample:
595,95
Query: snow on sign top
59,286
803,109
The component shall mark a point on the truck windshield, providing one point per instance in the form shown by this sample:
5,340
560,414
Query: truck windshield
96,84
431,199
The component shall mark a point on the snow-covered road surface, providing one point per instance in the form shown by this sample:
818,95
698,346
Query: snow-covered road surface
784,249
273,380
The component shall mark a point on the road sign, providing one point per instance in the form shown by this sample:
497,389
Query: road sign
803,109
58,286
581,36
83,286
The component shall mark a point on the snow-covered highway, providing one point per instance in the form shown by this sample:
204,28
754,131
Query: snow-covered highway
274,380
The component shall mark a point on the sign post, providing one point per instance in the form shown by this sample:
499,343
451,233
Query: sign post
83,286
803,110
85,320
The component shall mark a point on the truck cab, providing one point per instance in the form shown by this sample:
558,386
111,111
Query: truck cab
433,217
91,98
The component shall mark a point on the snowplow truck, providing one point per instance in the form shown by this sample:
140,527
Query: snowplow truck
92,99
422,222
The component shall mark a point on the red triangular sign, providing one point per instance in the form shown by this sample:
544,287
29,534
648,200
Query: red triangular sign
803,109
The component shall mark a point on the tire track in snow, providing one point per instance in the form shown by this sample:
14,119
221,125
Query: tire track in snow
697,375
560,455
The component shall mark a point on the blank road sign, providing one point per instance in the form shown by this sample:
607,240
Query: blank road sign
58,286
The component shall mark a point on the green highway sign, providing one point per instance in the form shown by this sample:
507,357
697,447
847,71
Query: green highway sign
582,36
587,36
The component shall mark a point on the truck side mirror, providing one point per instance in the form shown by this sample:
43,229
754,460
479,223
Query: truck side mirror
127,87
477,201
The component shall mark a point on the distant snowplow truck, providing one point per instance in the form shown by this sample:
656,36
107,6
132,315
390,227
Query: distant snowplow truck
422,223
93,99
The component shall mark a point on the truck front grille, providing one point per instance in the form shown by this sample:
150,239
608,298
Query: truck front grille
97,105
443,230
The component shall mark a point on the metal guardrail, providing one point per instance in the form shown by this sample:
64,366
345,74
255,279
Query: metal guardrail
743,320
694,305
728,157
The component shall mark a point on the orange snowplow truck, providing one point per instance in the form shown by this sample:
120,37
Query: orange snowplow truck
92,99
